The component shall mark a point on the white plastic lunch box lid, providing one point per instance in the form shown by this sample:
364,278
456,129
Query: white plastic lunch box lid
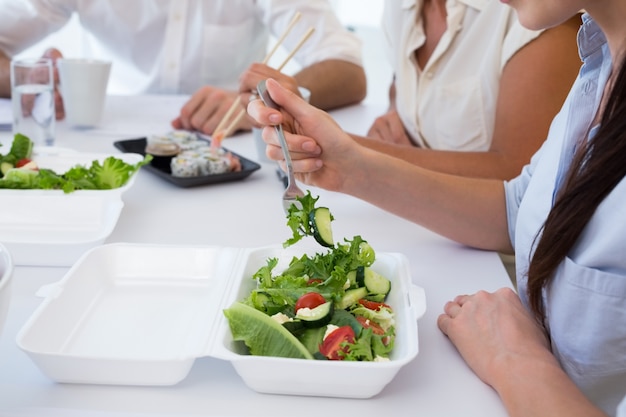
135,314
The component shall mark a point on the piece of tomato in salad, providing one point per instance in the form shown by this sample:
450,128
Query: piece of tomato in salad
373,305
333,345
370,324
309,300
26,163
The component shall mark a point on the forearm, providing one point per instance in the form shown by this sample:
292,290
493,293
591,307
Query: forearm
5,75
333,83
488,164
533,387
470,211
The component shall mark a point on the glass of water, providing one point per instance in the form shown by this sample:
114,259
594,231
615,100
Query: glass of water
32,96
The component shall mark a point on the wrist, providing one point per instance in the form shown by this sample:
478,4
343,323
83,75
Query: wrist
536,385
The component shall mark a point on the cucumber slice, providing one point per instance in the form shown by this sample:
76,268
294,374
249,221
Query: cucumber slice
316,317
356,276
376,283
351,297
263,335
5,166
294,327
320,219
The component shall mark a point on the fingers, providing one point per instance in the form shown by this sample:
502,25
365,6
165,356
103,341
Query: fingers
59,108
389,128
205,110
177,123
299,146
257,72
249,80
380,130
264,115
287,99
461,299
452,310
291,102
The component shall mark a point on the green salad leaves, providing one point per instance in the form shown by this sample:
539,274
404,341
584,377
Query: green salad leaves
22,147
358,327
19,172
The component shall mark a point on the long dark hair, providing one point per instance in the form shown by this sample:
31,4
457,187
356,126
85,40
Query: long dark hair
596,169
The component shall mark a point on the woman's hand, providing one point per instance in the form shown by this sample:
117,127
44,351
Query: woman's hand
389,128
491,329
319,147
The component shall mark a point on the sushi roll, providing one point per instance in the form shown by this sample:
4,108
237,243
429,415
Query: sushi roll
185,140
158,145
186,164
210,164
196,158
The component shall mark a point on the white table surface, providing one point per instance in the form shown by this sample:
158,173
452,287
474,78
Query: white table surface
248,213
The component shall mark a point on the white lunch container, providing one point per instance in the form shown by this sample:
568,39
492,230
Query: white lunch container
52,228
135,314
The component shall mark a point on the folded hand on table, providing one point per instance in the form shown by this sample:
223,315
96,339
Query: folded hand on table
486,327
206,108
389,128
509,350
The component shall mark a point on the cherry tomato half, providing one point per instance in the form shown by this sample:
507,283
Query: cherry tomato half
310,300
331,346
22,162
372,305
369,324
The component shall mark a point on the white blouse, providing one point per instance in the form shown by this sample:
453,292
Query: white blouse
450,104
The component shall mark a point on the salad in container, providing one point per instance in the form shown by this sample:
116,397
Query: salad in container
58,203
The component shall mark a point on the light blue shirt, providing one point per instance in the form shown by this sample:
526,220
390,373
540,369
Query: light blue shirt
621,410
586,300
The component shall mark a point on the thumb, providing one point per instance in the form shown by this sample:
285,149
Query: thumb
288,100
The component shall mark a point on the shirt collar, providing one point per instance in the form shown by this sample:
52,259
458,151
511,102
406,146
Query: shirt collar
590,37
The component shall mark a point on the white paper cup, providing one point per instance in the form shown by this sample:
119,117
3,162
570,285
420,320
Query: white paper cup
6,272
256,132
83,88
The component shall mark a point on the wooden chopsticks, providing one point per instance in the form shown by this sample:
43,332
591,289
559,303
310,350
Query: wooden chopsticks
280,40
225,129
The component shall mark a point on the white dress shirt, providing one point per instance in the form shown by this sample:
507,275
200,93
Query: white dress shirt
177,46
585,302
450,104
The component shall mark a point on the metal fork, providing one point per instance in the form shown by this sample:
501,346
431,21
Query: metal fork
292,191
